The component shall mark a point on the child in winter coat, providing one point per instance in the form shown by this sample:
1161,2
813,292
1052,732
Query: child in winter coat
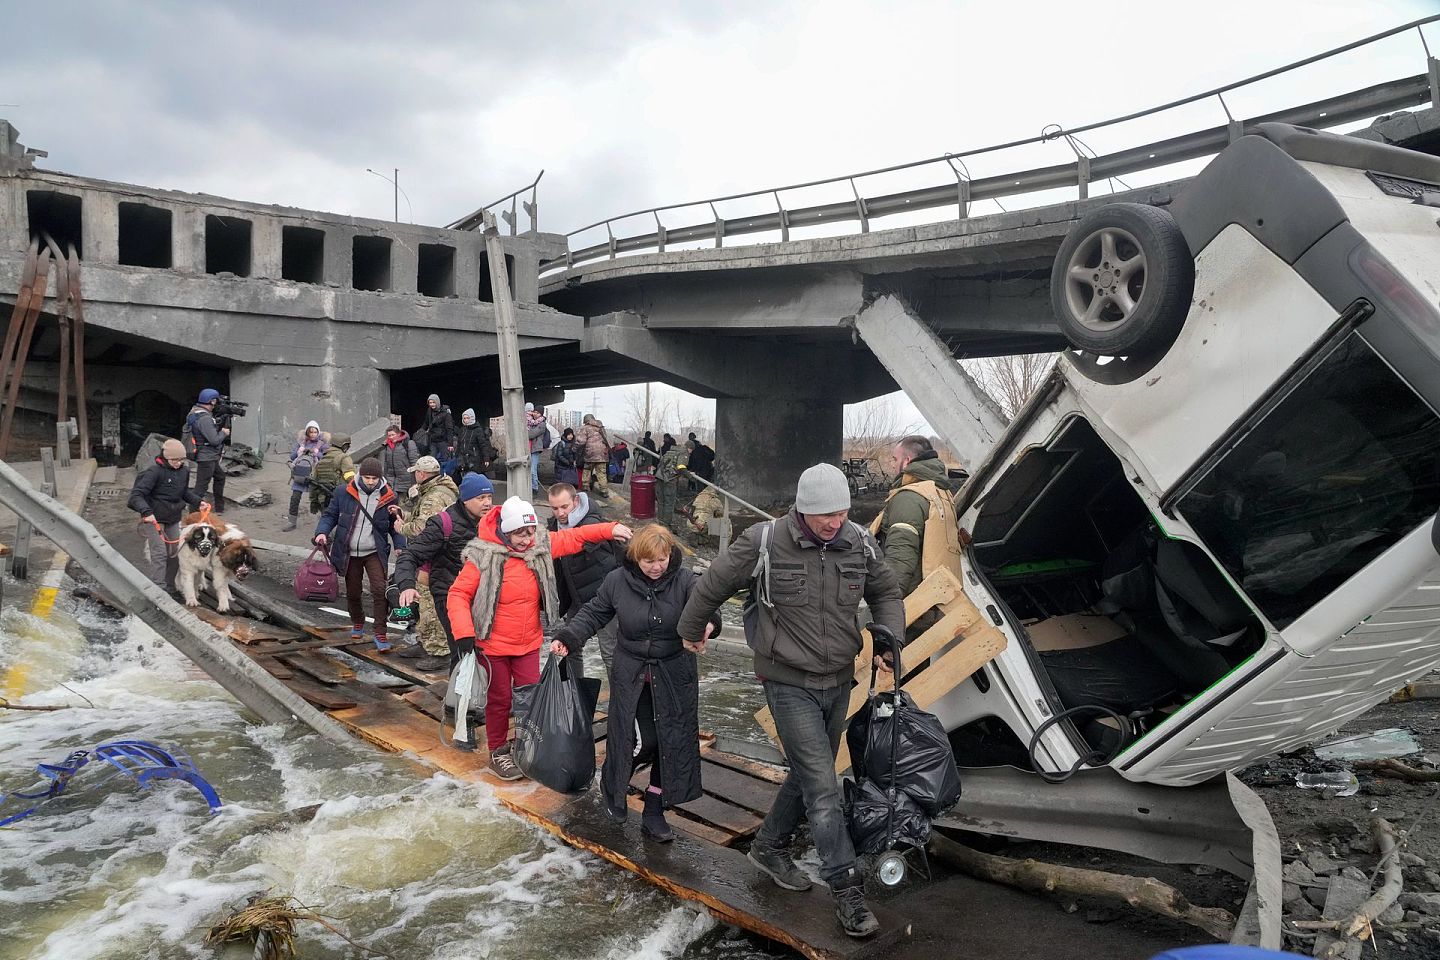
496,601
312,443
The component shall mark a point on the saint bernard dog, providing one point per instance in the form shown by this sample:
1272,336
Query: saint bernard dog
211,547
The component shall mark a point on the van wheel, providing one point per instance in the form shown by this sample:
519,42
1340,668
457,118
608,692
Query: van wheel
1122,281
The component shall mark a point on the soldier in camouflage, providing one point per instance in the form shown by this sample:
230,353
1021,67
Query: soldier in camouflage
673,464
433,492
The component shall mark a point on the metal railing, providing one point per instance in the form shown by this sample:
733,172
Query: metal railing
475,220
960,190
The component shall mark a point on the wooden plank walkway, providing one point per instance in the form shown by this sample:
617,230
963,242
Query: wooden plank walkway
703,865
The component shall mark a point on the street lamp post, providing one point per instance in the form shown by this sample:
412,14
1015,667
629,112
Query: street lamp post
395,182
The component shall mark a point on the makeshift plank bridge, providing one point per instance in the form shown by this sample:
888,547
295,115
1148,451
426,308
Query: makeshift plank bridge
704,865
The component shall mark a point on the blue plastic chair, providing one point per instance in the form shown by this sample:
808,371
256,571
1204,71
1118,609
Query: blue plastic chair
146,762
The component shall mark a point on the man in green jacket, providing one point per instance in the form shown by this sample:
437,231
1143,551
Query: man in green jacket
918,529
334,470
433,492
673,465
803,624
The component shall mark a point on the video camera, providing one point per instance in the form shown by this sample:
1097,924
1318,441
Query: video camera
227,409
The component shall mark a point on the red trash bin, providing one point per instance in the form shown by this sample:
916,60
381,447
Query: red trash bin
642,496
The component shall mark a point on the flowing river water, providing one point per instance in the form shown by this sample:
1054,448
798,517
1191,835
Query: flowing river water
409,866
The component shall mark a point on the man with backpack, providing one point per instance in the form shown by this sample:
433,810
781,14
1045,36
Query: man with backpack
807,573
433,492
310,446
204,443
331,473
440,545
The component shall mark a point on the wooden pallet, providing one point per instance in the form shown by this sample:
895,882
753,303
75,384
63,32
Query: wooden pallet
961,642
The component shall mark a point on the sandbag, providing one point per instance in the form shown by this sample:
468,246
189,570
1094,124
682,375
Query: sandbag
554,744
872,828
924,763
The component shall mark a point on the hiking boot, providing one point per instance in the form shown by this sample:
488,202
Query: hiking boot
381,644
652,822
468,746
412,651
776,862
291,522
504,766
855,918
429,664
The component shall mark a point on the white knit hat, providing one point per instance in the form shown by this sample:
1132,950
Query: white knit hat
516,513
822,489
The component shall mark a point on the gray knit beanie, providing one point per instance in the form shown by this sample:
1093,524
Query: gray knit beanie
822,489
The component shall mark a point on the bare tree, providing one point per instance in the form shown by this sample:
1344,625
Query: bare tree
647,409
1011,380
872,428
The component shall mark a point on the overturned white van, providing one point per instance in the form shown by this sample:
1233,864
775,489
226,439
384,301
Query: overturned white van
1209,536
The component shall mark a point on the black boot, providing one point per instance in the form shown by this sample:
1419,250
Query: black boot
855,918
652,821
614,809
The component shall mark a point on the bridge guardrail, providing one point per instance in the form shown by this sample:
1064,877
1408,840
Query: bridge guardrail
961,190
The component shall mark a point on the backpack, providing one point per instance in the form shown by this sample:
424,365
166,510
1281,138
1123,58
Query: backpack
187,437
302,466
545,439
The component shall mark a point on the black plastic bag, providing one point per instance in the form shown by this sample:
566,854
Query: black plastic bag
554,744
924,763
872,827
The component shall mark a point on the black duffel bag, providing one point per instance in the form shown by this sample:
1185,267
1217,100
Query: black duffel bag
554,744
890,728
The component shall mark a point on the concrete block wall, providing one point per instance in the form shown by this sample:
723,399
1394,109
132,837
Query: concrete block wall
100,230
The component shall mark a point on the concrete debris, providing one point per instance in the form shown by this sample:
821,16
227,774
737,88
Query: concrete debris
1298,873
1426,904
1319,863
1291,892
254,498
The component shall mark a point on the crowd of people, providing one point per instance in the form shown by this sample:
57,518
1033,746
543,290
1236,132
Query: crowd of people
494,580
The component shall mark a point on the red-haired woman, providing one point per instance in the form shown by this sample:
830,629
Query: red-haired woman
654,681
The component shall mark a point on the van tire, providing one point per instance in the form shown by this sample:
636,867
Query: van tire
1123,281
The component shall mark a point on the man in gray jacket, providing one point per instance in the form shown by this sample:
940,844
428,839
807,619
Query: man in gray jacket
205,443
809,568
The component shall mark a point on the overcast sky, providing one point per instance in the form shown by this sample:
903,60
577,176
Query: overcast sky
629,105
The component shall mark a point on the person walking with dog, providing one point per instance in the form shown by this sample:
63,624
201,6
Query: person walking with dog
807,572
433,493
654,679
160,495
358,527
310,446
496,602
204,442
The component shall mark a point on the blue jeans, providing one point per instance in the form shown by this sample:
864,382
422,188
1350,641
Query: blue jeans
810,723
535,471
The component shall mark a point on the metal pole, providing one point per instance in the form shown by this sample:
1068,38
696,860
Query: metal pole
396,182
217,656
716,487
512,383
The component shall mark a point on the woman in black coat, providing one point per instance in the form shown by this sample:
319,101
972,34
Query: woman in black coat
654,680
568,457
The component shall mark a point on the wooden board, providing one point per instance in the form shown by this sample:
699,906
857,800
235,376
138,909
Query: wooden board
394,665
740,789
755,768
678,820
426,702
320,667
327,698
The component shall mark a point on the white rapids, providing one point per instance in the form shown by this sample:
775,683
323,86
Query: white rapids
413,868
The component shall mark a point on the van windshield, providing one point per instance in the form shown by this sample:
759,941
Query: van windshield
1346,464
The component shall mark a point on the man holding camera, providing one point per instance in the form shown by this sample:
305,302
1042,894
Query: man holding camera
205,441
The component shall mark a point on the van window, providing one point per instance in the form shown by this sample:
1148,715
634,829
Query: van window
1341,468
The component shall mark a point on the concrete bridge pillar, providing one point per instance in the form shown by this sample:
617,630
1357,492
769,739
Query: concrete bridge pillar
763,444
283,397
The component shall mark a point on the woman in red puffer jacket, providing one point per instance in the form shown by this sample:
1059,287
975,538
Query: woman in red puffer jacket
496,601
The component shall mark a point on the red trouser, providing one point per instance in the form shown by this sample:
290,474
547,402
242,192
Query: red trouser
505,673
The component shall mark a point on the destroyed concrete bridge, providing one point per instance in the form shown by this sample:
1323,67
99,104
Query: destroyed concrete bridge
307,314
